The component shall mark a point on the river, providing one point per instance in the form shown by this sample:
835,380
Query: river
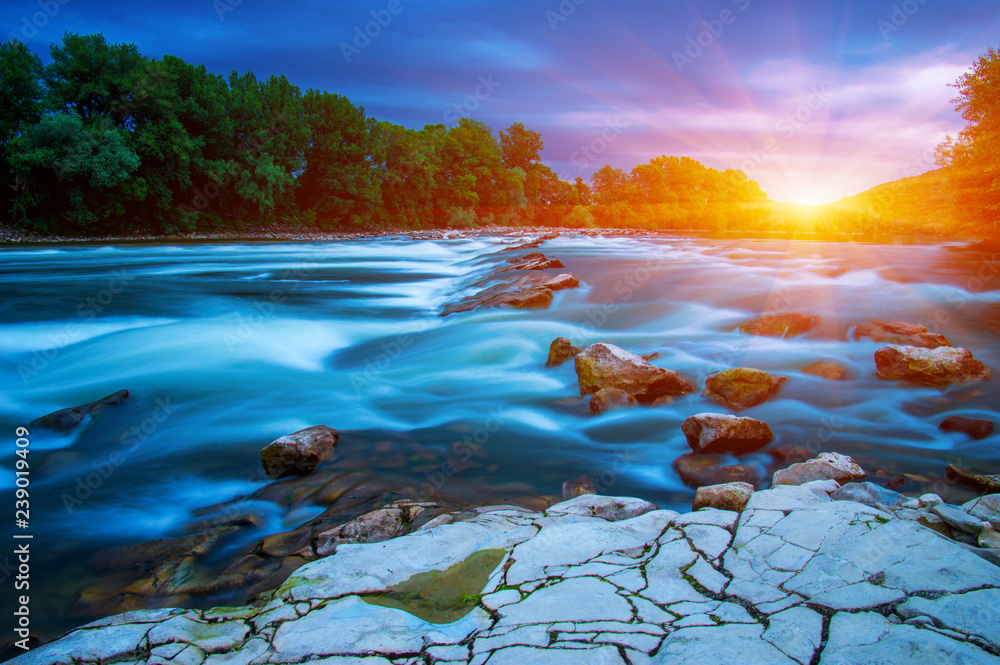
225,347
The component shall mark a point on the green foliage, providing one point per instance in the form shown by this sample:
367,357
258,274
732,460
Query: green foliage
973,157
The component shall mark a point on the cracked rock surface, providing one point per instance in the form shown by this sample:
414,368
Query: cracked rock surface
796,578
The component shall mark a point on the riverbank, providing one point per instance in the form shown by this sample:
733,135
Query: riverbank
804,574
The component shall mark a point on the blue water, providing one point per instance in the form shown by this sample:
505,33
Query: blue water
225,347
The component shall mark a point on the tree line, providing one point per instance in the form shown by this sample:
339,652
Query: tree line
104,139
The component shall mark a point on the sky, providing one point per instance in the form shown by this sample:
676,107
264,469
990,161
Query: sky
814,99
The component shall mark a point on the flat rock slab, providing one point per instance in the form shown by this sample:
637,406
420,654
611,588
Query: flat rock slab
780,325
742,387
795,578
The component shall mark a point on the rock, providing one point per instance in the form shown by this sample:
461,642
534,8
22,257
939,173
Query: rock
829,371
530,291
869,494
958,519
742,388
374,527
900,332
299,453
979,482
533,261
561,282
610,399
990,537
977,429
578,487
561,350
538,298
731,496
700,470
827,466
611,508
937,368
780,325
66,419
986,508
721,433
608,366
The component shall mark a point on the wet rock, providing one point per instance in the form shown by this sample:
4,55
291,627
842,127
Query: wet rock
150,552
869,494
561,350
721,433
538,298
299,453
958,519
611,508
610,399
602,366
731,496
827,466
828,370
534,244
578,487
937,368
561,282
780,325
286,544
533,261
900,332
64,420
532,291
977,429
701,470
990,538
976,481
374,527
742,388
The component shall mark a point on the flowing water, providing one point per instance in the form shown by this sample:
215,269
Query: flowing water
225,347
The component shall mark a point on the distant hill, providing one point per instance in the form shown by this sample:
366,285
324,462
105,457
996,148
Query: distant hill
919,204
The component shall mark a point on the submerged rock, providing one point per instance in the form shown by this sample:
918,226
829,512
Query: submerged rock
900,332
712,469
731,496
610,399
64,420
602,366
827,466
578,487
742,388
299,453
977,429
721,433
983,483
826,370
937,368
561,350
780,325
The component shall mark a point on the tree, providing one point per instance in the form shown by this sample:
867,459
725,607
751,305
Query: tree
20,105
520,147
973,157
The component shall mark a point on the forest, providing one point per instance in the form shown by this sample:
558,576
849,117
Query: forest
106,140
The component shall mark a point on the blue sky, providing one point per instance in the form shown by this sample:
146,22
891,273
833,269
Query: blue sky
814,99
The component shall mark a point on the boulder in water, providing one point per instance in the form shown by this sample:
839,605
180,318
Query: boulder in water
713,469
64,420
791,324
937,368
742,388
561,350
610,399
977,429
721,433
976,481
602,366
298,453
533,261
731,496
826,370
827,466
374,527
900,332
